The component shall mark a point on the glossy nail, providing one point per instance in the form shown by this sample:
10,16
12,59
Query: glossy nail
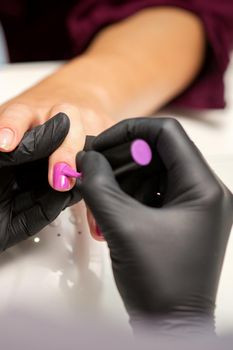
6,138
60,181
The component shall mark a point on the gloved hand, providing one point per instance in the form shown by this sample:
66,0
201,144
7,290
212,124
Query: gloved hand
166,252
27,202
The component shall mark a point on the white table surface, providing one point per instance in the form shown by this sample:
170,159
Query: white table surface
67,272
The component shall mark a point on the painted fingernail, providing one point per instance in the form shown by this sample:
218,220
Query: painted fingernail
6,138
98,232
60,181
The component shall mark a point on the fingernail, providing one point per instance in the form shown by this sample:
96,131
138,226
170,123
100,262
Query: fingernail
98,232
6,138
60,181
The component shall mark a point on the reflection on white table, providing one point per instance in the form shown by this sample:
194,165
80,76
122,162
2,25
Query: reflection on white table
62,271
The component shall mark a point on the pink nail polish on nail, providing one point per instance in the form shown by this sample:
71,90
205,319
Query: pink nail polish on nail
60,181
98,232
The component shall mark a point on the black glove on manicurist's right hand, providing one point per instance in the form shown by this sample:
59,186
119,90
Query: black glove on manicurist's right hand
167,254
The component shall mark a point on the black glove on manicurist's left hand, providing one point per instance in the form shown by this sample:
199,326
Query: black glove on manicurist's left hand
27,202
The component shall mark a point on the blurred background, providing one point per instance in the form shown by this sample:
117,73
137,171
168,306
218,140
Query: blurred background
3,47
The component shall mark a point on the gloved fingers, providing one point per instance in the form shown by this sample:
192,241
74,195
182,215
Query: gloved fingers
102,193
165,134
123,132
32,176
35,218
23,202
44,197
97,176
38,142
189,177
75,195
184,163
6,181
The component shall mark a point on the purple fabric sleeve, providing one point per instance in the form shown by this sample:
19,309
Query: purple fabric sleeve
207,91
54,29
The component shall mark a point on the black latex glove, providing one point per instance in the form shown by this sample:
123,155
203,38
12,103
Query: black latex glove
27,202
166,253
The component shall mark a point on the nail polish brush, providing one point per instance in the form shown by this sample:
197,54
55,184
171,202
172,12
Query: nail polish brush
123,158
68,171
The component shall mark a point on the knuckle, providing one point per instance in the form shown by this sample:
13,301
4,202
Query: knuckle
214,194
90,114
18,114
64,107
16,108
67,148
171,124
128,226
98,181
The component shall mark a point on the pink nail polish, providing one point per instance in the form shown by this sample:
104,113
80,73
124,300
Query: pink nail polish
60,181
98,232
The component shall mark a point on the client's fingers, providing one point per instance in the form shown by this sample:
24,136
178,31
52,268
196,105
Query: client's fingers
39,142
15,120
66,153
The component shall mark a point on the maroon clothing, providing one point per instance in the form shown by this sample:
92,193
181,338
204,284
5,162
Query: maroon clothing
56,29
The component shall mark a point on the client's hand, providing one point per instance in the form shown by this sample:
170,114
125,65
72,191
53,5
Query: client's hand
27,202
167,249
